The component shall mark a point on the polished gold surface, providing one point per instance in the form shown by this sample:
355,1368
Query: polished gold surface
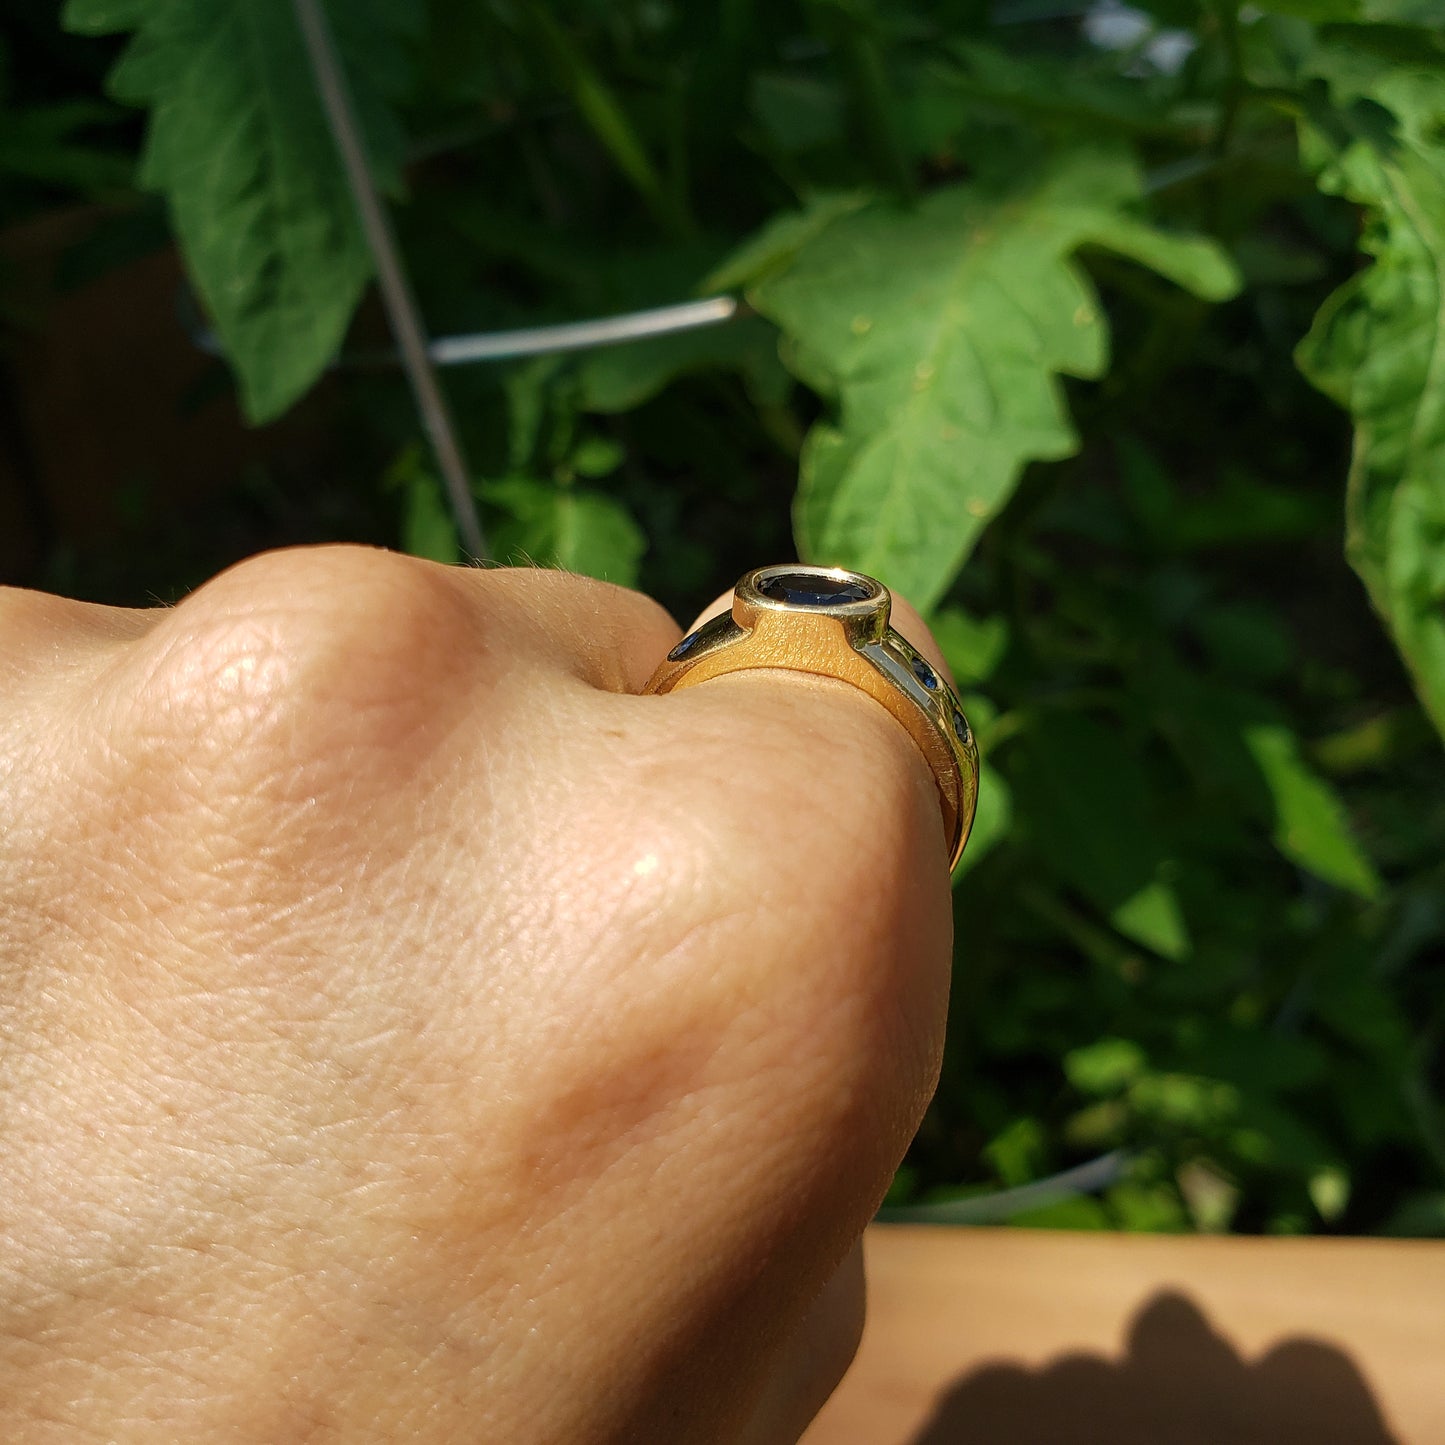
853,642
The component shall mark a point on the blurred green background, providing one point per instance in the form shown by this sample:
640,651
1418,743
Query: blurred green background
1112,336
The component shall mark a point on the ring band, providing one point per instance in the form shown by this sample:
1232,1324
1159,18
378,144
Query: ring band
835,623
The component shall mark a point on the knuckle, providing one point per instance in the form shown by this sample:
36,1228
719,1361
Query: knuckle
296,662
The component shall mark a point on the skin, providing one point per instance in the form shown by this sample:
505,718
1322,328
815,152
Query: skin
407,1032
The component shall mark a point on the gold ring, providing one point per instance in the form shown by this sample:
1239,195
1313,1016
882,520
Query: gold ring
834,623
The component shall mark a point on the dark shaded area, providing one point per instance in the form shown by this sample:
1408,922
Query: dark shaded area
1179,1383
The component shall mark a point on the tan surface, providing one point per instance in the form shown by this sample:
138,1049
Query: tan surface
997,1337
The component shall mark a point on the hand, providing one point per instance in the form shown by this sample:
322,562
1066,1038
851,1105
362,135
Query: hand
408,1033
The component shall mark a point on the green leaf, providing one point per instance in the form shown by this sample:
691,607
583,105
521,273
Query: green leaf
1187,1101
1143,1208
1311,827
103,17
972,646
941,330
1105,1066
239,145
581,531
1378,12
533,401
1402,12
1017,1152
1237,746
622,378
1085,797
1329,1191
780,241
1079,1213
1317,10
597,456
1378,344
1152,916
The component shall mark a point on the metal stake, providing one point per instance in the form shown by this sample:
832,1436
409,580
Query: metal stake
396,293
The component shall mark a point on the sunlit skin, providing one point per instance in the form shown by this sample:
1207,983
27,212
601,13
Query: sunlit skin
410,1033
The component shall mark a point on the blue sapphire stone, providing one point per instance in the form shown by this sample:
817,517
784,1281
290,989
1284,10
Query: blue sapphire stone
960,725
925,674
798,589
684,647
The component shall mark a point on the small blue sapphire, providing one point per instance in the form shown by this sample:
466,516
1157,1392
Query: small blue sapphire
925,674
799,589
960,725
684,647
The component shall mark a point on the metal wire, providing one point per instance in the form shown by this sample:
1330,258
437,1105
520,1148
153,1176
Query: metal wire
474,346
580,335
401,306
1003,1204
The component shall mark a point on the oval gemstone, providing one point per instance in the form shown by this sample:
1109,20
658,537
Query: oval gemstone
799,589
925,674
684,647
960,725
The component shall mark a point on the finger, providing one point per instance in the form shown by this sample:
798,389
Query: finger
836,868
608,635
907,620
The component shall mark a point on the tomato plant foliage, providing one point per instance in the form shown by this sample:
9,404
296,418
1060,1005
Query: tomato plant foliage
1035,298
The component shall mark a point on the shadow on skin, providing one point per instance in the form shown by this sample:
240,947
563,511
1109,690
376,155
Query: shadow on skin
1179,1383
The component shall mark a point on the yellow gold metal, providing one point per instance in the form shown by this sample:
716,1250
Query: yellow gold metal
850,640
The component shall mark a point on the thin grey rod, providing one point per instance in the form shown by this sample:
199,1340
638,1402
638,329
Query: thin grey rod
1003,1204
561,336
396,293
580,335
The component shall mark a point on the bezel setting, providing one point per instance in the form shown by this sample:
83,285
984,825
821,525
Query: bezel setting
834,623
